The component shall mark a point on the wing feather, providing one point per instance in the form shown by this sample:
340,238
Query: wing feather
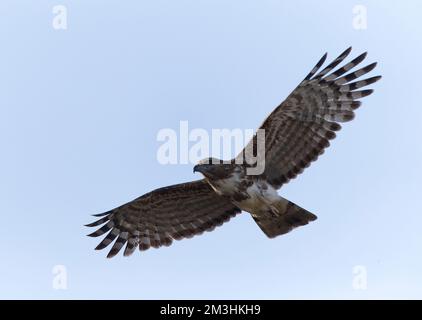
158,217
299,129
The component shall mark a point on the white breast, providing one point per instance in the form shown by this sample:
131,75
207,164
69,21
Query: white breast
227,186
261,196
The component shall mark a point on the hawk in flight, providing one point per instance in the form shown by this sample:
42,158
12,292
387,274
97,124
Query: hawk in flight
296,134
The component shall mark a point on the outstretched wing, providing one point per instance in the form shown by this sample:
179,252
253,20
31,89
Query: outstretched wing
158,217
300,128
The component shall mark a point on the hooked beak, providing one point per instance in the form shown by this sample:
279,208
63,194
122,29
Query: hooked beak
200,168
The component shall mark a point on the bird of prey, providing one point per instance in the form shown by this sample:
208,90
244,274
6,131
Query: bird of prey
296,134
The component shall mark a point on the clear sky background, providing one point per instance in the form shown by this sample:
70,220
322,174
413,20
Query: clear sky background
80,110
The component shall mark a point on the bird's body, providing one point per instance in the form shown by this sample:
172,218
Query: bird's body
296,133
252,193
249,193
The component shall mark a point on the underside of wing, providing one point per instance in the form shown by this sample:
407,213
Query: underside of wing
300,128
158,217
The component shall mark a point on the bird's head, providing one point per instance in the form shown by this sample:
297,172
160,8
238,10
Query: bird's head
213,168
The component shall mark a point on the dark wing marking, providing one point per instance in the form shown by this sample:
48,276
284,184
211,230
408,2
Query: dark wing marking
158,217
300,128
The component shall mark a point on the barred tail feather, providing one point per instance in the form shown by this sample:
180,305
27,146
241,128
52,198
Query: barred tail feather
284,219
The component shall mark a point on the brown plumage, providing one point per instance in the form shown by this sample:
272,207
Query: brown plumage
300,128
158,217
296,133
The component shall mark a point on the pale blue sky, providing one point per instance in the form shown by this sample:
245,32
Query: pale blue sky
81,108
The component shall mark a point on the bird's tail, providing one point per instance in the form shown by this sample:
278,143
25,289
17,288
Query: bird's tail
282,218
